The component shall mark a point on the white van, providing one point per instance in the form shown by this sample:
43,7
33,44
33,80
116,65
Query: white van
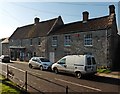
77,64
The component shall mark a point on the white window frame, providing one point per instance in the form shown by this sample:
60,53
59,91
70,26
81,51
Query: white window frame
54,40
88,40
67,40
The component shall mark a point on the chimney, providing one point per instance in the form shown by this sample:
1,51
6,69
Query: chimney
85,16
111,9
36,20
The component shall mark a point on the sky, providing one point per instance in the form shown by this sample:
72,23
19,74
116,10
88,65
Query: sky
15,14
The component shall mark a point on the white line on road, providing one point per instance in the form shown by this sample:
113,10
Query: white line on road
17,68
78,84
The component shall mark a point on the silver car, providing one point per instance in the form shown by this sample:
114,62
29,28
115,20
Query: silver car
40,62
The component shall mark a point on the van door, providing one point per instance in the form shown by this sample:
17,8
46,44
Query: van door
94,66
70,64
62,65
90,64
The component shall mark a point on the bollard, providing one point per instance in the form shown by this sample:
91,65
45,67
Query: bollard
66,89
26,81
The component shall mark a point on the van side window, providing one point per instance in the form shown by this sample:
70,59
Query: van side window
93,61
88,61
62,61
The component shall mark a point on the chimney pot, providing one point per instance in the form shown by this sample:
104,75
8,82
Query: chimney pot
85,16
111,9
36,20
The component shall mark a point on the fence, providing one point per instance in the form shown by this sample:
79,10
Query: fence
25,79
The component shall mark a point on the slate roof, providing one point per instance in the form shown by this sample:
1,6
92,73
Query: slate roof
34,30
94,24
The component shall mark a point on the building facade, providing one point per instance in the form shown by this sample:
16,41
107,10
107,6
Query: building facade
31,40
96,36
54,39
4,46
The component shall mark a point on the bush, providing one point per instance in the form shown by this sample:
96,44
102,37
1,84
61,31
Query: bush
103,70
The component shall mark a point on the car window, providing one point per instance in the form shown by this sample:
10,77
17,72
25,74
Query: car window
62,61
88,60
44,60
93,61
34,59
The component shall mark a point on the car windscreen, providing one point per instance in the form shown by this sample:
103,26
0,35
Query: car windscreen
44,60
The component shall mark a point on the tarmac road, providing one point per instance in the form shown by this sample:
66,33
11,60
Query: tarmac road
45,81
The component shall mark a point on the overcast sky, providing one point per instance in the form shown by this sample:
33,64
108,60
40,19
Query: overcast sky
18,14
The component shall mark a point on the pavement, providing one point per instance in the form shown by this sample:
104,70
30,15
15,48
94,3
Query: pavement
113,74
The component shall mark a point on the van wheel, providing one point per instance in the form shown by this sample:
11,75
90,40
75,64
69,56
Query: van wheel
41,68
56,70
78,75
30,66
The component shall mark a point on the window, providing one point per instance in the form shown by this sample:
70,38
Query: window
54,41
67,40
31,42
88,40
88,61
39,41
62,61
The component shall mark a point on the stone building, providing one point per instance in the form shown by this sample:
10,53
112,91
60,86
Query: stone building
97,36
54,39
31,40
4,46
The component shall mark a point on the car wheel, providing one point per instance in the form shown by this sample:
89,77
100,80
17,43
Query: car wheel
78,75
41,68
56,70
30,66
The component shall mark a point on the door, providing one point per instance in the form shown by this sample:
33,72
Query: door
91,64
52,57
62,65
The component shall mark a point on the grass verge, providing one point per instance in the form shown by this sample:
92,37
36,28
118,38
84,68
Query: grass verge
8,87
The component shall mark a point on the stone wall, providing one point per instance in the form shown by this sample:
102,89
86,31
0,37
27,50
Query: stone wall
99,46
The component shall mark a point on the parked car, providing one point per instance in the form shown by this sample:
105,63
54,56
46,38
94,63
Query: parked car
76,64
40,62
5,58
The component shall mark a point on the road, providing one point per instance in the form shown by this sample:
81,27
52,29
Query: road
45,81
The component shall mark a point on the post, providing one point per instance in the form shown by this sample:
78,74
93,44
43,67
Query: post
66,89
7,72
26,81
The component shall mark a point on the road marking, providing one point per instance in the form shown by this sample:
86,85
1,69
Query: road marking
17,68
78,84
33,73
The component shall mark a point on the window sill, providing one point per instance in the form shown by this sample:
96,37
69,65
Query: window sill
54,45
67,45
88,45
